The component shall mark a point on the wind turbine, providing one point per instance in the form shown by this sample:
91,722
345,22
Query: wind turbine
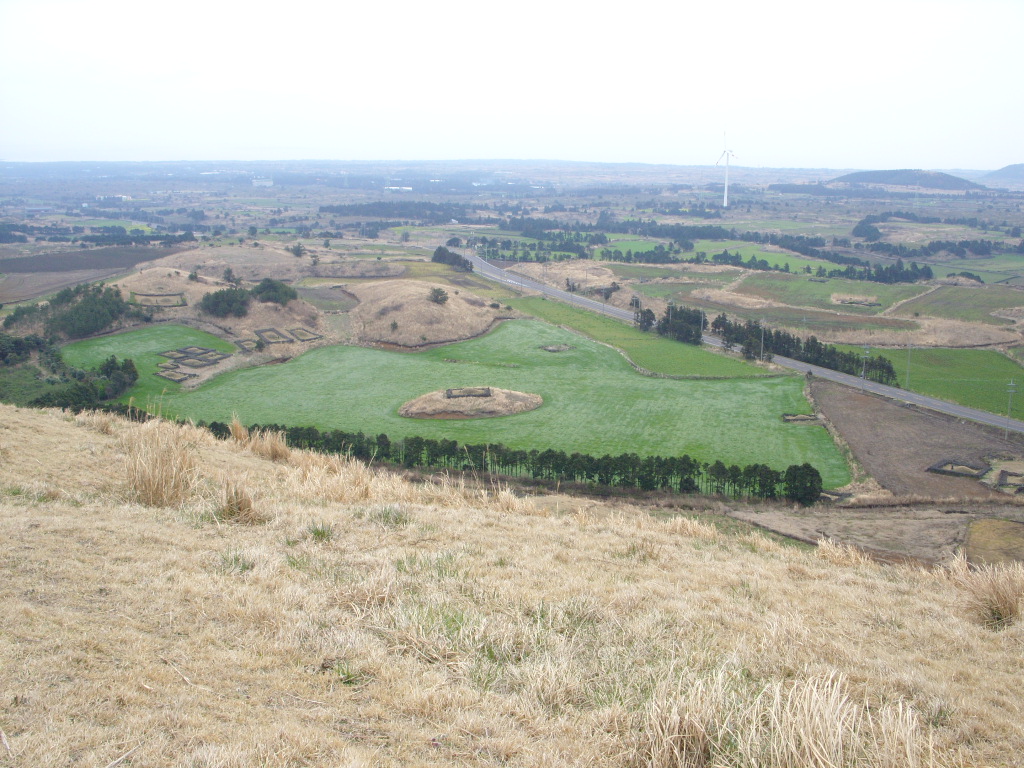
726,153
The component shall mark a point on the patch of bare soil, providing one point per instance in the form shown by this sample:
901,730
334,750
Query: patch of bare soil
361,268
929,534
470,403
24,286
895,443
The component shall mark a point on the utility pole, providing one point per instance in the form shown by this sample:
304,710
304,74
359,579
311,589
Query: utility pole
909,347
864,365
1010,389
762,340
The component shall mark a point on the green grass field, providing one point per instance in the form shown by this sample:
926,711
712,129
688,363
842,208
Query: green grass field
746,250
647,350
976,378
143,347
798,290
593,400
966,303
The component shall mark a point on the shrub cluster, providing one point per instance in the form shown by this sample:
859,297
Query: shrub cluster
459,263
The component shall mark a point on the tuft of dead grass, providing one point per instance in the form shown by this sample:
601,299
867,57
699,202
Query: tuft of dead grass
237,506
837,553
993,594
270,445
265,443
722,721
161,469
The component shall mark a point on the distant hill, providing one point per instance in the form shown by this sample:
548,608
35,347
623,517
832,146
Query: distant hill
908,178
1011,174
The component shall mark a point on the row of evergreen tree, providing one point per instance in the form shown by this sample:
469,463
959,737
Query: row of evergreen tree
678,474
754,339
757,341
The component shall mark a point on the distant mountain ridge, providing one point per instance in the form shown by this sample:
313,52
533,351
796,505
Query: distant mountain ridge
1009,174
908,178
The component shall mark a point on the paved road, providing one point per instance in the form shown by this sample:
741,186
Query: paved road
491,272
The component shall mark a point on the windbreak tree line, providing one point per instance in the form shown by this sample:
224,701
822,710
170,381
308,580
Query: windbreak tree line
751,337
757,341
678,474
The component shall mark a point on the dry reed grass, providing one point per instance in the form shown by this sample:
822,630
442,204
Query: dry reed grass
993,594
723,721
437,624
162,469
265,443
837,553
237,506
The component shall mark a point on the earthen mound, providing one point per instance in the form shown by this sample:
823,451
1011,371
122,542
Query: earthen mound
470,403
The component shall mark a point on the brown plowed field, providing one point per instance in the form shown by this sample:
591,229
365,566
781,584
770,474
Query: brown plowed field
895,444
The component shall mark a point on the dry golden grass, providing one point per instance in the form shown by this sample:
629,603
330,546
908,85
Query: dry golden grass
400,312
265,443
237,506
993,594
373,621
161,467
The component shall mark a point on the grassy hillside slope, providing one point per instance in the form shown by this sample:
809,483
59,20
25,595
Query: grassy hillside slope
173,600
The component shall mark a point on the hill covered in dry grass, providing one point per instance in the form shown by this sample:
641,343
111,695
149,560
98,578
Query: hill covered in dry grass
172,600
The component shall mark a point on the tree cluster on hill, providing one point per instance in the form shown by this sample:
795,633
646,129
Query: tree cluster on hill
95,311
77,312
459,263
275,291
680,474
225,302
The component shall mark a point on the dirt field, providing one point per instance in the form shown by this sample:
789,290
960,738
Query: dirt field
24,286
896,444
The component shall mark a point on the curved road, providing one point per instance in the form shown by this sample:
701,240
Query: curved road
484,269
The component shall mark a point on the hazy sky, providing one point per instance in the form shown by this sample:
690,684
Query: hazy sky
896,84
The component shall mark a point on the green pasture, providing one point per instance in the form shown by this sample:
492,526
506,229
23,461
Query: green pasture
746,250
973,377
594,401
143,347
965,303
800,291
128,225
991,269
630,244
648,350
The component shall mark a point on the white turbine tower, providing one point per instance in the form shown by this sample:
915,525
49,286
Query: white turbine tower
726,153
